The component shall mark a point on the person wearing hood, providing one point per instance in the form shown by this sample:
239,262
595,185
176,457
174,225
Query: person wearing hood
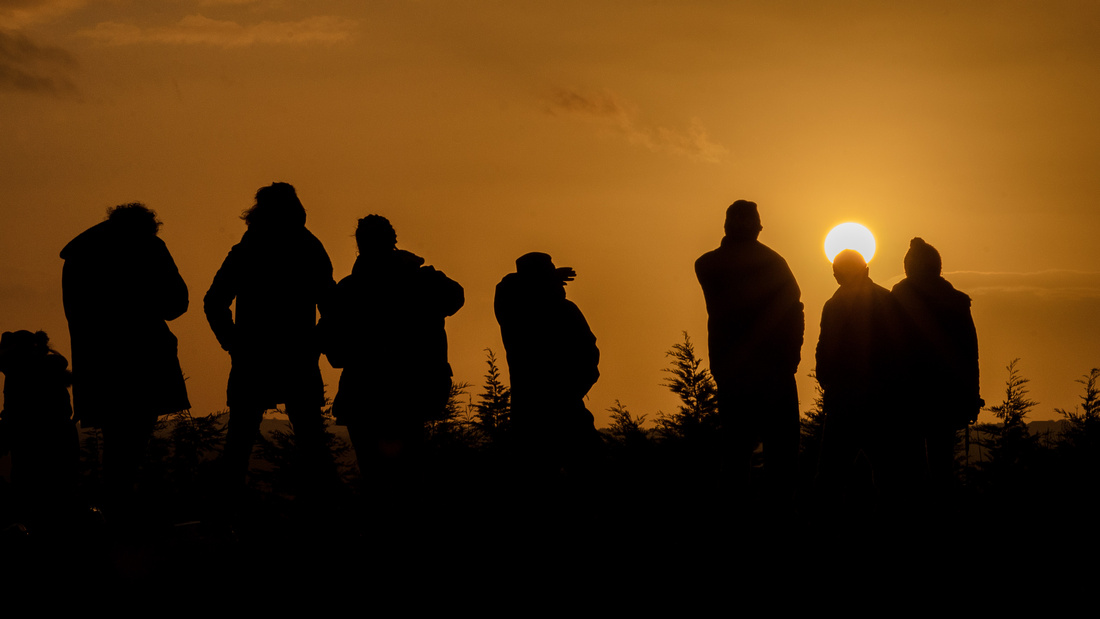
944,357
552,362
120,287
755,328
278,275
386,328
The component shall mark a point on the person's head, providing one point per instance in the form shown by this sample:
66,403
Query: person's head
922,261
743,221
849,267
374,234
537,267
17,347
535,264
135,217
277,206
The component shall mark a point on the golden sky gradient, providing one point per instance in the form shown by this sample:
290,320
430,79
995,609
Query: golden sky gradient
611,135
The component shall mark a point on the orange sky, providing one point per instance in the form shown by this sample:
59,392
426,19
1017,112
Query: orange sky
611,135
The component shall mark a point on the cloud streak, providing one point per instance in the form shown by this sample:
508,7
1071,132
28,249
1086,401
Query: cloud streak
18,14
1061,284
200,30
28,67
608,110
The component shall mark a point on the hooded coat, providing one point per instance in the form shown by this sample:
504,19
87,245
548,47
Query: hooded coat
277,277
943,347
120,286
386,328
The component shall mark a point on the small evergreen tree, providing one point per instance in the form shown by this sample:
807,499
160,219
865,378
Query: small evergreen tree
284,472
625,428
1011,446
181,458
1078,443
631,452
493,410
1084,421
450,426
1014,409
698,412
812,430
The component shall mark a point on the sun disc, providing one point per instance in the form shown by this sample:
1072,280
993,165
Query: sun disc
850,236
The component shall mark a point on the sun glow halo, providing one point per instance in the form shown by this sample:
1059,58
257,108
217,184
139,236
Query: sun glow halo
850,236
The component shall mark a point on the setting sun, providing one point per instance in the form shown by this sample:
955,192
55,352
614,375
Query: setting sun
850,236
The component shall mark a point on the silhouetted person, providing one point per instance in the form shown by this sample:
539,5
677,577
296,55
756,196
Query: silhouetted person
943,356
385,327
755,326
36,426
120,287
859,361
552,362
278,274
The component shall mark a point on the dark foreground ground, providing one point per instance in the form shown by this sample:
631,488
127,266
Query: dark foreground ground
686,546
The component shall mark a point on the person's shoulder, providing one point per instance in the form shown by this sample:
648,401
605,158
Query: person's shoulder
88,240
509,280
771,252
309,239
158,245
708,259
956,296
240,249
768,254
710,255
348,281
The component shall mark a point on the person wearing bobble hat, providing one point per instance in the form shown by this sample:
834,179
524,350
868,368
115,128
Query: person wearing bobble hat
944,358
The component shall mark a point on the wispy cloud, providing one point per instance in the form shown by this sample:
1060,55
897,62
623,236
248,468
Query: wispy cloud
18,14
200,30
609,110
1066,284
28,67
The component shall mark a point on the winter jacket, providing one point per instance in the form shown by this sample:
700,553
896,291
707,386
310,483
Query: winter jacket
943,347
860,352
278,278
756,319
120,287
550,348
386,328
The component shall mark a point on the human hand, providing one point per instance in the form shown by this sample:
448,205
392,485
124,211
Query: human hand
566,274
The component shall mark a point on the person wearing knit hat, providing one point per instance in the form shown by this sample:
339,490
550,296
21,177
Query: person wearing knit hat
944,358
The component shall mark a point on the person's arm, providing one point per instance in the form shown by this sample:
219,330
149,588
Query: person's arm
173,298
217,303
449,295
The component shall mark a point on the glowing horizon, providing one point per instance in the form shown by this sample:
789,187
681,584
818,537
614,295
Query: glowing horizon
484,133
